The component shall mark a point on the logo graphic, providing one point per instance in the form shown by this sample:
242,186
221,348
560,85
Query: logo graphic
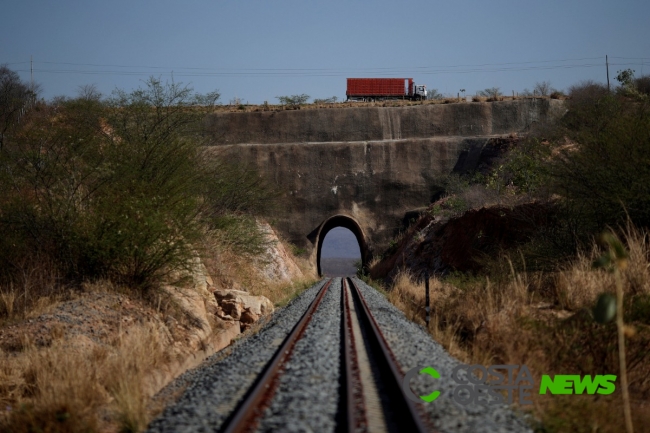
406,384
499,384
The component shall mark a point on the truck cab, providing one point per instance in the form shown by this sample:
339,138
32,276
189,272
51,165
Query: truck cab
420,92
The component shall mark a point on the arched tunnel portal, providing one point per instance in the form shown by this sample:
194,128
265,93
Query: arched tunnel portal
345,222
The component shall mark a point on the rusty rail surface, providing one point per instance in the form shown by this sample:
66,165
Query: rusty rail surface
407,415
246,416
355,414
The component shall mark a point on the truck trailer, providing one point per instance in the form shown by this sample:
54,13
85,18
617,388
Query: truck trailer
370,89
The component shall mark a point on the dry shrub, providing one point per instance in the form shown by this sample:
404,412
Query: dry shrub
587,92
643,84
35,288
579,284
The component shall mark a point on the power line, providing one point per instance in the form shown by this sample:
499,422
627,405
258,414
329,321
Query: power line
310,69
326,73
631,58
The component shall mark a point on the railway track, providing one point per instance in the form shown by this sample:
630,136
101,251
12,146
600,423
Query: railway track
371,396
333,361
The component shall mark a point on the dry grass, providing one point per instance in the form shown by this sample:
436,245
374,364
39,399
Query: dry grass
544,321
389,103
81,384
36,289
78,385
7,303
230,270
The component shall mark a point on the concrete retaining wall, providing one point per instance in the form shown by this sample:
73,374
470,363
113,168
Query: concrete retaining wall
374,182
382,123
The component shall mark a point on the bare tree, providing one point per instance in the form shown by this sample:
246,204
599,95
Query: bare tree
492,92
587,92
89,92
543,88
434,94
293,100
643,84
16,98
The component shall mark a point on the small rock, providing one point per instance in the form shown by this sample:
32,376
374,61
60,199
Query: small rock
247,316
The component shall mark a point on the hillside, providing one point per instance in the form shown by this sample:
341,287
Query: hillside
525,256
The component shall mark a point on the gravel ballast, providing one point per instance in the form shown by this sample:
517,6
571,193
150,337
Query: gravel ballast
221,382
307,398
414,347
308,395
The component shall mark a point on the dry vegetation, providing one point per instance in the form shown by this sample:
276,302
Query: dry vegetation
544,320
76,379
73,382
106,205
242,108
532,302
235,270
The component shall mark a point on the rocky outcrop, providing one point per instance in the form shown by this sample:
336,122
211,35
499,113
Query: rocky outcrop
277,264
237,305
462,243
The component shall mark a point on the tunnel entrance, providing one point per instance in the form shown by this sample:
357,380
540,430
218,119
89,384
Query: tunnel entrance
340,254
336,224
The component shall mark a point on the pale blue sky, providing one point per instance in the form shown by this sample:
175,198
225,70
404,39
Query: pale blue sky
340,242
259,49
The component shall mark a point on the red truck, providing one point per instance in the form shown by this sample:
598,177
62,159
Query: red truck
369,89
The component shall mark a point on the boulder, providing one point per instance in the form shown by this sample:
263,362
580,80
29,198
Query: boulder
247,316
260,305
231,309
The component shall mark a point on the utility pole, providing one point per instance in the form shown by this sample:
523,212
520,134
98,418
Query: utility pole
607,65
426,304
31,70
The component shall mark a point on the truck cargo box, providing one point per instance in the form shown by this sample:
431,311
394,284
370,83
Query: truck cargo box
371,87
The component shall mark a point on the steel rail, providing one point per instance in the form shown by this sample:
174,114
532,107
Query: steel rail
246,416
409,416
356,415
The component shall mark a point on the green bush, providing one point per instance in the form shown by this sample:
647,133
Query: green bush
642,84
523,168
605,176
120,189
593,162
293,100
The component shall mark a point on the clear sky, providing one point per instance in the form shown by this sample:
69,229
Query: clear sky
259,49
340,242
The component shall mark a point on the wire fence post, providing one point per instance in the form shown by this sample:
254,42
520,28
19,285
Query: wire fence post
426,288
